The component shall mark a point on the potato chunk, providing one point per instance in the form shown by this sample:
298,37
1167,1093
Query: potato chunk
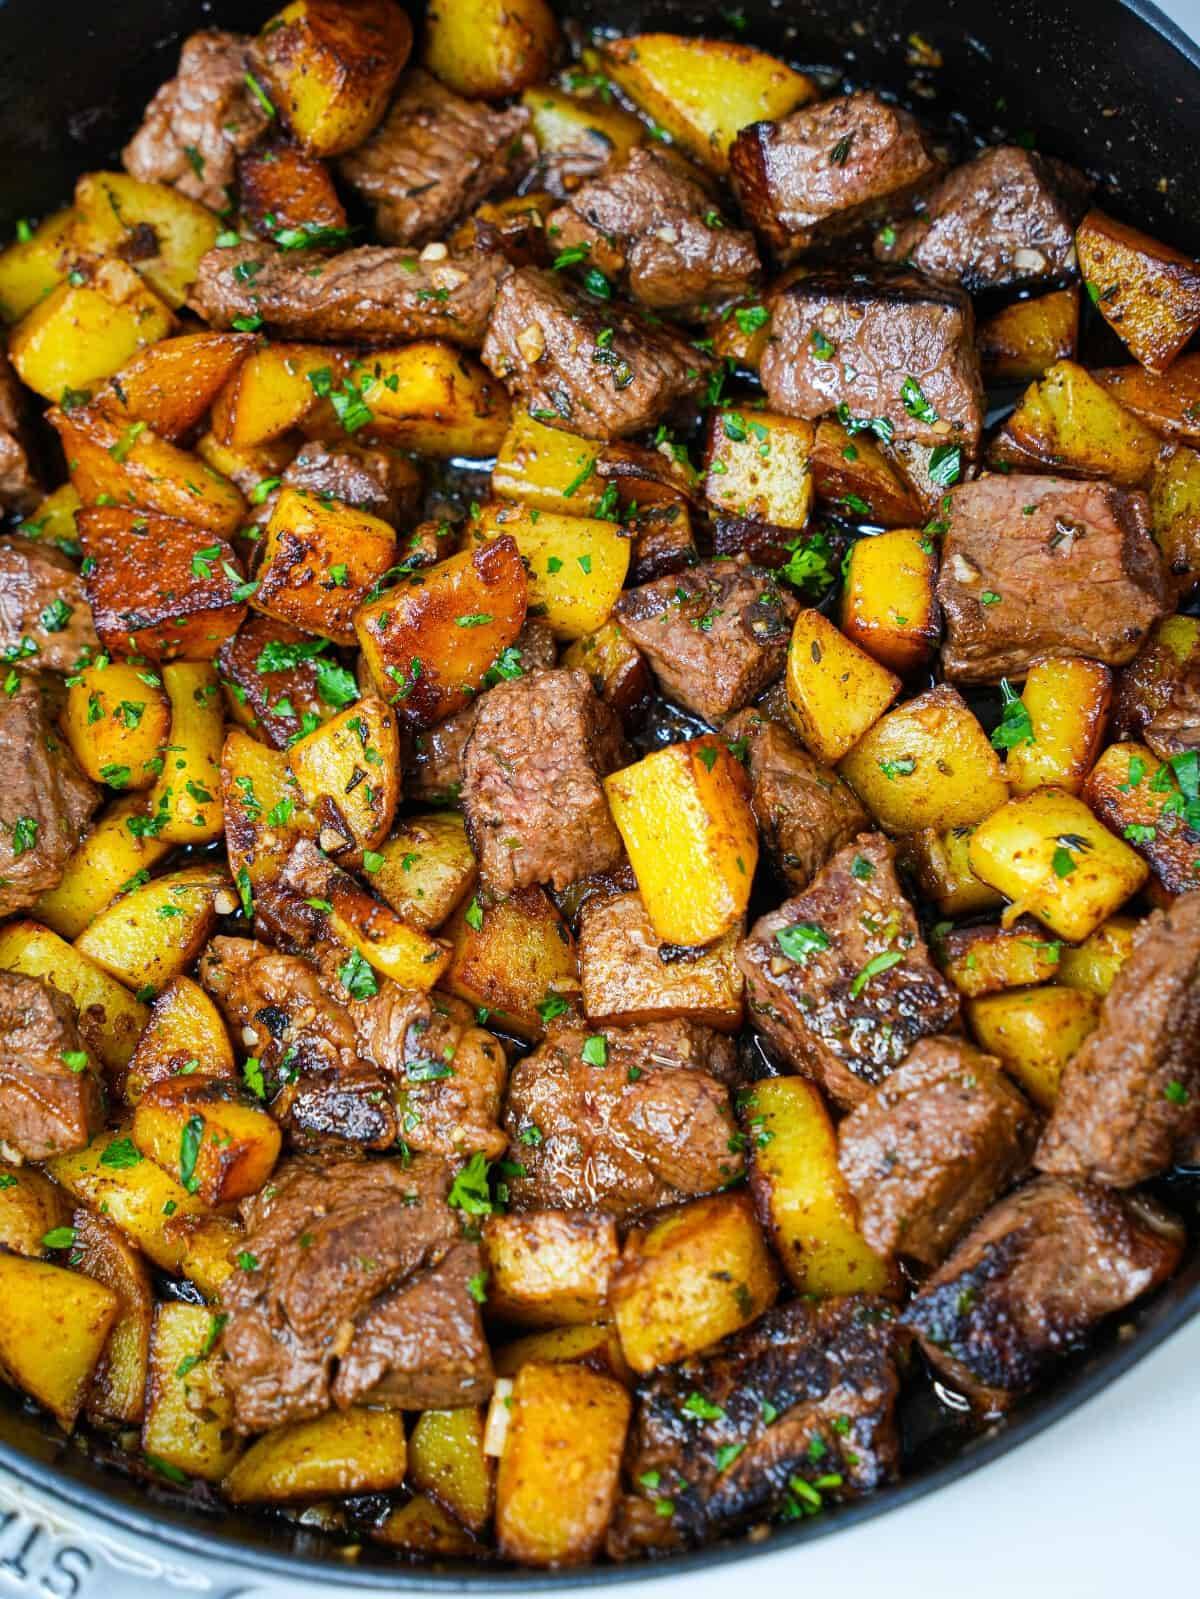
1067,422
31,267
759,471
189,1414
1142,799
118,1387
155,932
348,770
186,802
344,1452
219,1145
888,604
274,390
1018,344
855,475
30,1207
319,559
113,1177
446,1460
547,468
185,1035
629,974
425,869
1093,965
549,1268
1174,493
1034,1031
511,956
1066,702
117,718
114,211
489,49
110,1018
986,959
835,690
576,564
1147,292
941,864
52,1333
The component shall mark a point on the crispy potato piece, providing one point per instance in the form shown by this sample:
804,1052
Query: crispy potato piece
941,865
596,1347
1139,797
1018,343
889,607
173,384
1034,1032
1093,965
1050,856
52,1333
928,763
114,212
569,128
857,477
1147,292
1168,402
704,91
374,932
155,932
263,807
547,468
116,720
489,49
189,1413
289,197
509,957
422,1527
835,690
348,770
684,815
985,960
319,560
759,469
1067,702
344,1452
434,399
274,390
185,1034
802,1199
1174,492
619,671
54,520
83,332
110,1018
1145,686
100,1251
430,642
446,1461
428,867
560,1470
31,267
113,1177
549,1268
629,974
30,1207
576,564
1069,423
689,1278
159,587
201,1130
188,794
209,1244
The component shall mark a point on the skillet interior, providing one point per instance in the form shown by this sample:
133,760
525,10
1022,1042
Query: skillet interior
1105,84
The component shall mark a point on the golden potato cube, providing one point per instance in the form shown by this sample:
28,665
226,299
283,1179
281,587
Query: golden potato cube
343,1452
114,212
1093,965
489,49
348,770
596,1346
319,560
189,1413
835,690
263,807
1174,492
619,671
684,815
987,959
54,1328
1140,798
30,1207
172,385
549,1268
1048,855
274,390
560,1470
1068,422
626,978
576,565
1066,703
425,869
759,467
690,1278
422,1527
199,1130
508,957
927,764
209,1244
110,1018
547,468
1034,1032
185,1034
155,932
1018,343
110,861
1147,292
31,267
54,520
1168,402
431,398
118,1387
188,793
113,1177
591,129
116,719
859,479
888,604
446,1460
940,862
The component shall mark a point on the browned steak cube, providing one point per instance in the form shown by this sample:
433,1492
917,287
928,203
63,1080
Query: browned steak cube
1033,1278
200,121
794,1412
584,364
379,481
50,1095
892,349
532,792
1176,726
1007,217
19,486
839,977
42,601
434,157
716,635
1130,1098
653,224
805,812
932,1146
360,1263
1035,566
828,169
622,1120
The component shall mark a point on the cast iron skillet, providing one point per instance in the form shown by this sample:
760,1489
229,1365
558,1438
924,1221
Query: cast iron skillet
1108,84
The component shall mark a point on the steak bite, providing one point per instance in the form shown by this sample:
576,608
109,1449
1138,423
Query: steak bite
350,1288
587,365
434,157
805,811
653,224
1130,1098
1004,218
42,600
200,121
376,480
372,295
715,635
45,800
891,348
796,1407
1036,566
623,1120
1033,1278
532,791
19,487
839,977
828,169
932,1146
51,1100
1176,726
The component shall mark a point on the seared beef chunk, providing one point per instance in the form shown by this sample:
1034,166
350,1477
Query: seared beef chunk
1035,566
350,1289
200,121
378,481
715,635
369,295
584,364
893,349
50,1095
1004,218
932,1146
827,169
839,977
434,157
532,768
804,811
1033,1278
19,488
795,1410
1176,727
627,1119
270,672
42,599
45,800
1131,1096
654,225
